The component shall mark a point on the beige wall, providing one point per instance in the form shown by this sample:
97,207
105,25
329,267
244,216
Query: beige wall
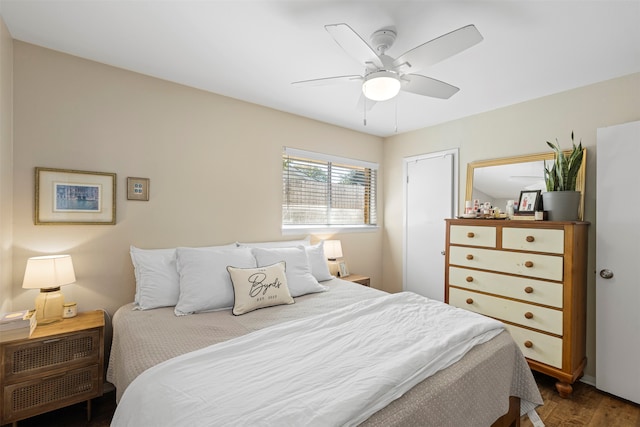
214,165
514,130
6,166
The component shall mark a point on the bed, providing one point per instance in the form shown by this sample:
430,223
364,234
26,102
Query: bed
490,384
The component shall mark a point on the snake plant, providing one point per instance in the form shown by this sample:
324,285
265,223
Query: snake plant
563,174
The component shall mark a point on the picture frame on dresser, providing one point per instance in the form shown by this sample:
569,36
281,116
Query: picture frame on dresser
529,202
343,269
74,197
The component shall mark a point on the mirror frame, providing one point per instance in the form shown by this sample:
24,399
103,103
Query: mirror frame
580,181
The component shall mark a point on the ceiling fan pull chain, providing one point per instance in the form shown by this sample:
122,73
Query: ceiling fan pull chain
396,114
364,111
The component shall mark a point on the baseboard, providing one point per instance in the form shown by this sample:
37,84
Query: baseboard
588,379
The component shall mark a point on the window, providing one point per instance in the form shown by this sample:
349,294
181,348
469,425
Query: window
326,191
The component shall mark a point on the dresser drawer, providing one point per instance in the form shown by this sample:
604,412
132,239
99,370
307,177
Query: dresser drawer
533,239
532,316
30,397
524,264
37,356
522,288
537,346
473,235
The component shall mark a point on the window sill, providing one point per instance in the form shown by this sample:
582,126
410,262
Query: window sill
327,229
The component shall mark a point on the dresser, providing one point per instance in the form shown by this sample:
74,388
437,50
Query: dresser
531,275
59,365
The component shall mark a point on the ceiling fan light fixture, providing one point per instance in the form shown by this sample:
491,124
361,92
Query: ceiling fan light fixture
381,85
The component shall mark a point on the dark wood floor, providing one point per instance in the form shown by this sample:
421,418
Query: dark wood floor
586,407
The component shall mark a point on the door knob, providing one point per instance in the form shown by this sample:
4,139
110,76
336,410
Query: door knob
606,274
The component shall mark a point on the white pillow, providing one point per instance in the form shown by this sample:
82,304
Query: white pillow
205,284
259,287
299,277
157,281
318,262
278,244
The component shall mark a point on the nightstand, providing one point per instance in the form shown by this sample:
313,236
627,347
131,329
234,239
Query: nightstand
356,278
59,365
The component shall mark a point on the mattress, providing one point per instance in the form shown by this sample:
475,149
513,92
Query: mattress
473,391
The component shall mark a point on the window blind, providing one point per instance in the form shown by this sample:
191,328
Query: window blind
320,189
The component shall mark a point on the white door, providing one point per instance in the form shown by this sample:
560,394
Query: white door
617,258
430,183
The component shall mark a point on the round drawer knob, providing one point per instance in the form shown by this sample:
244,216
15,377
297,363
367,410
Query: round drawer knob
528,264
469,256
469,279
528,289
528,315
469,301
528,344
471,235
530,239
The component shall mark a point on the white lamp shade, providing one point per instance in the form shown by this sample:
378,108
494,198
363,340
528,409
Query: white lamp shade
51,271
381,85
332,249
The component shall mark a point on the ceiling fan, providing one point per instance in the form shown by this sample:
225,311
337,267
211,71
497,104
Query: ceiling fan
385,76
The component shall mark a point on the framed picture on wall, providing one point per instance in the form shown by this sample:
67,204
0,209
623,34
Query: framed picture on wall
138,189
528,202
66,196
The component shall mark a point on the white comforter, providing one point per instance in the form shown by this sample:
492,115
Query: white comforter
333,369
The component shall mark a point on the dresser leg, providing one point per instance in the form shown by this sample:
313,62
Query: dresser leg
89,410
564,389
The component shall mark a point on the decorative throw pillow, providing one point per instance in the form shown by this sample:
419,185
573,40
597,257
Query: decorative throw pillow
157,280
299,277
318,262
259,287
204,282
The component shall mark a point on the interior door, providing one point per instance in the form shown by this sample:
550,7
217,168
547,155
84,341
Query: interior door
617,256
430,198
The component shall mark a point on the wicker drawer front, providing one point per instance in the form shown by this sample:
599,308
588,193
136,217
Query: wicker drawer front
32,397
473,236
531,290
532,316
43,355
537,346
541,266
535,240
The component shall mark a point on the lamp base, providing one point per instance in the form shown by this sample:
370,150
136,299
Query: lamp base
49,306
334,267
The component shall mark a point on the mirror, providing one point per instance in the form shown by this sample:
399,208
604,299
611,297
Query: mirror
499,180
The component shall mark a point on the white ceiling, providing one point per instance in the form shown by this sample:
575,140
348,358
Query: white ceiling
253,50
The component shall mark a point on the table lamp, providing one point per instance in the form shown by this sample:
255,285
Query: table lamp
333,251
48,273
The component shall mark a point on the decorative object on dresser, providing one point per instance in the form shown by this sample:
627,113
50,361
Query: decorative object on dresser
333,251
531,276
561,200
65,196
18,324
59,365
48,273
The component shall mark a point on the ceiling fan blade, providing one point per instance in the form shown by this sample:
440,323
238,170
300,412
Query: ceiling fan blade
327,81
353,44
438,49
426,86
